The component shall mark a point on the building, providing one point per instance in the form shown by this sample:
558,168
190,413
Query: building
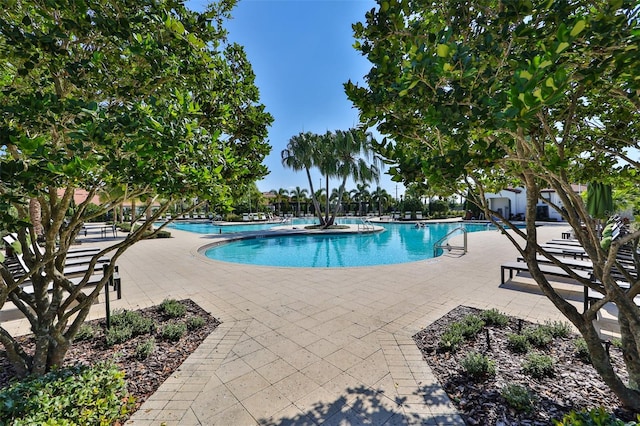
512,203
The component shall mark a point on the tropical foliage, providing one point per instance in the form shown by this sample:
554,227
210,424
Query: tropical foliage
485,94
125,100
340,154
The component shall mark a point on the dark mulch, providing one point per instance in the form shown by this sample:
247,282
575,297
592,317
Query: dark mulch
575,385
143,376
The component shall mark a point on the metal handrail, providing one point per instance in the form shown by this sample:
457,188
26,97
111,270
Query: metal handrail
366,225
440,244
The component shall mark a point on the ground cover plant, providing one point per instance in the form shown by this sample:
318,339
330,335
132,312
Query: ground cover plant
492,382
143,361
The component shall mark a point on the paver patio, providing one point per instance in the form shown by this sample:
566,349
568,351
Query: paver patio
307,346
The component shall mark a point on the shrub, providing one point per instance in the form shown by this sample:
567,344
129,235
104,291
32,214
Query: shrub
519,397
518,343
86,332
495,317
174,331
133,320
539,336
117,334
594,417
478,365
450,340
78,395
581,350
557,328
538,366
471,325
172,308
195,322
146,348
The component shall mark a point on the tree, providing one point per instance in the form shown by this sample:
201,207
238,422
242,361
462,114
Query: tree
360,195
350,155
300,194
340,154
382,198
299,155
485,94
128,101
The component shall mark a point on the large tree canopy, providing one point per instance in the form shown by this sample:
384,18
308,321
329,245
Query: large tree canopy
543,94
126,100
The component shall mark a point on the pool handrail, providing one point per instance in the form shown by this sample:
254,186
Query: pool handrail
440,244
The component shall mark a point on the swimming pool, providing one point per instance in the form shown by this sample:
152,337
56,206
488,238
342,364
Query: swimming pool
399,243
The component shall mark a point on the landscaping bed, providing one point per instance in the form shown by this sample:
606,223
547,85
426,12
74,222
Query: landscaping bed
146,365
486,399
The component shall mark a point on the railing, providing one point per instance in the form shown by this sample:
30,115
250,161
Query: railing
443,243
365,225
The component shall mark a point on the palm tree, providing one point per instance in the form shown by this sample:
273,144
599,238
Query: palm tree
362,195
280,195
300,155
299,194
352,151
382,198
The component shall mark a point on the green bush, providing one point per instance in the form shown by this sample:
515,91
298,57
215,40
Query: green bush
72,396
539,337
133,320
519,397
146,348
117,334
195,322
518,343
538,366
581,350
478,365
557,328
174,331
86,332
172,308
469,326
450,340
594,417
495,317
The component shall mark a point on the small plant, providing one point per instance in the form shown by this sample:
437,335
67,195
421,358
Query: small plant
133,320
581,350
116,335
557,328
78,395
519,397
172,308
450,340
518,343
616,342
495,317
471,325
594,417
174,331
538,366
539,336
86,332
478,365
194,323
146,348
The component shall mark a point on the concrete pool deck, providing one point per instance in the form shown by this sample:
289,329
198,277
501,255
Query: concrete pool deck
311,346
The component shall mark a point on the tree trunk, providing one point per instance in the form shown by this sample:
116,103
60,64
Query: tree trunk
35,214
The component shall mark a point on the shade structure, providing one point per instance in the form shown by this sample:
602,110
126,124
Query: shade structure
599,200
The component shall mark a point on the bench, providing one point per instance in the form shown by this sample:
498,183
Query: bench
545,269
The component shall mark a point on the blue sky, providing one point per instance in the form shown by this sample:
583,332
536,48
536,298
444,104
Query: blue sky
301,52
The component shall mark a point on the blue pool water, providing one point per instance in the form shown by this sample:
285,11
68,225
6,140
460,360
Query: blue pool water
399,243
